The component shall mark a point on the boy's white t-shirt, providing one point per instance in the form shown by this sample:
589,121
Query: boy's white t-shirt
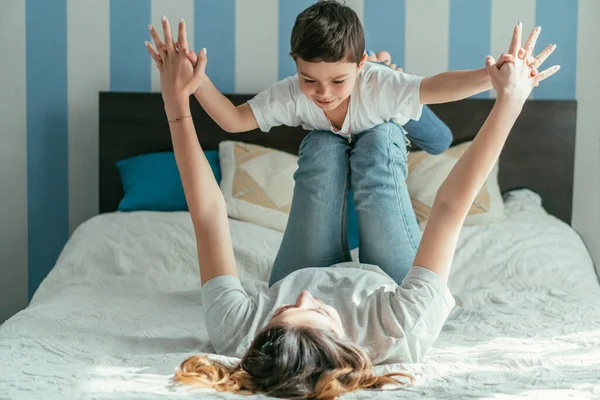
380,95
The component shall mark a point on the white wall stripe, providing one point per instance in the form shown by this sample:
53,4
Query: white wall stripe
174,11
505,15
13,160
255,45
359,8
88,63
586,196
427,29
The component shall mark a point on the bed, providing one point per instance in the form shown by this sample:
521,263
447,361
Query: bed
121,309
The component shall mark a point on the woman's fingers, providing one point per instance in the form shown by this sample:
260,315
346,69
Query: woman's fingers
154,54
531,40
182,36
167,34
544,54
515,43
157,42
546,73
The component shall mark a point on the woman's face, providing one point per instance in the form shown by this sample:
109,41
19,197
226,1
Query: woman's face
309,312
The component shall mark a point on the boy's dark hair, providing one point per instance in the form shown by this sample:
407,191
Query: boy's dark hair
328,31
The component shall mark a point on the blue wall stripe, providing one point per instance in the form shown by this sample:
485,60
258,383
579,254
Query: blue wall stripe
385,27
214,28
47,135
129,65
470,37
288,11
558,20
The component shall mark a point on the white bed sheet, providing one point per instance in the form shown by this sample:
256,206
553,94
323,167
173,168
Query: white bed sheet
122,309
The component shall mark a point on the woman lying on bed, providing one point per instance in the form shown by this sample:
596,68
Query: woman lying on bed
316,332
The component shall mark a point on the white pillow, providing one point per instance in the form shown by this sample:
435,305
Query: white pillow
426,173
257,183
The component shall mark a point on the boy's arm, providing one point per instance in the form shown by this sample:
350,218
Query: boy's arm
229,117
273,107
453,85
457,85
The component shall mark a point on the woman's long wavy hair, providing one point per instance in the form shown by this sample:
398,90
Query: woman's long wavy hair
293,363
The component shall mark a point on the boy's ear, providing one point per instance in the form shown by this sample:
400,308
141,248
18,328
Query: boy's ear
362,61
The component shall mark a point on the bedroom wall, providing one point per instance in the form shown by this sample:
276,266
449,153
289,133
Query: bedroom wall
62,52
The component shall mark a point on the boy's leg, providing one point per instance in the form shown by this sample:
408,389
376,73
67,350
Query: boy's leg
316,233
388,230
429,133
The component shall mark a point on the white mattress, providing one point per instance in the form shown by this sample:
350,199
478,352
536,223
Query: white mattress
122,309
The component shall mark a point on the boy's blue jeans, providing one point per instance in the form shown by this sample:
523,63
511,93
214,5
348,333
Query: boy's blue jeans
374,165
429,133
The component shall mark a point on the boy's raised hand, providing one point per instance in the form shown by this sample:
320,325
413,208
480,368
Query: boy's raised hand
199,59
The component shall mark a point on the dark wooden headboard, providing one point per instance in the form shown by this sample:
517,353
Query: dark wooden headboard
538,155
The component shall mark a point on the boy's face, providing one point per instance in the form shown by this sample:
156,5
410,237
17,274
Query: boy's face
328,84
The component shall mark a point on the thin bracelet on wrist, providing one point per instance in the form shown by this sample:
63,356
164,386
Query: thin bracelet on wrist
179,118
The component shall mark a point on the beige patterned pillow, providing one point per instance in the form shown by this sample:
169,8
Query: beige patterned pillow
426,173
257,183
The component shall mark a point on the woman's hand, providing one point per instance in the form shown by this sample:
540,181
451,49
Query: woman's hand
515,79
178,77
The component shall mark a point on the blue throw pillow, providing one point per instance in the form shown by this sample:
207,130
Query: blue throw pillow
151,182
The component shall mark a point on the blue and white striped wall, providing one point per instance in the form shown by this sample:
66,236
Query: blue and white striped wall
60,53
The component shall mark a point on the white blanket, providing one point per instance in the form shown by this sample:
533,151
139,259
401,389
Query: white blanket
122,309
